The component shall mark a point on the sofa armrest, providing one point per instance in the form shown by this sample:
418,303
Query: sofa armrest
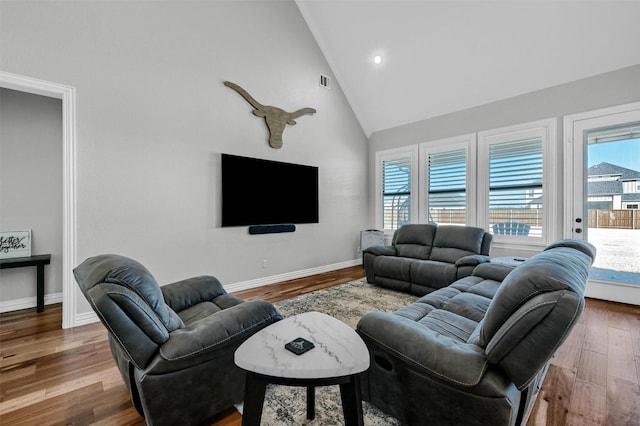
381,250
425,349
130,320
194,343
186,293
472,260
492,271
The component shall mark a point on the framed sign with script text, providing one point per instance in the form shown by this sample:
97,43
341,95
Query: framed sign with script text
15,244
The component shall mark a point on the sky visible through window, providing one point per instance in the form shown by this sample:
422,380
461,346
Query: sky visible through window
625,153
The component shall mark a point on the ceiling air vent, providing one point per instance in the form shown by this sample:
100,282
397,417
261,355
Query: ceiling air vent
325,81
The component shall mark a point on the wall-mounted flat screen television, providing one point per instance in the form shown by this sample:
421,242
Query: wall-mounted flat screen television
265,192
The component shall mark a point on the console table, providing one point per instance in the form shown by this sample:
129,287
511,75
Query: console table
38,261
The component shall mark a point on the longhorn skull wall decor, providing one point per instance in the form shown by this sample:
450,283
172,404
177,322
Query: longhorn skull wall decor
275,117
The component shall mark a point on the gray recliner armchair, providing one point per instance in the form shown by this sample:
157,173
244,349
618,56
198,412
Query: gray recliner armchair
173,344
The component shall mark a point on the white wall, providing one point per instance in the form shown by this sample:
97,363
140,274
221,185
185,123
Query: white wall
31,190
605,90
153,117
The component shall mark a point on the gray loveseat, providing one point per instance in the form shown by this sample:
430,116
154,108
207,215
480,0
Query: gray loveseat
425,257
475,352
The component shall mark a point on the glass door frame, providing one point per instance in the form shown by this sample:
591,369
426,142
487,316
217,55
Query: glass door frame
575,188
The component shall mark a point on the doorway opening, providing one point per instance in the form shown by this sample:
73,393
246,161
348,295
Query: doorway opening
67,94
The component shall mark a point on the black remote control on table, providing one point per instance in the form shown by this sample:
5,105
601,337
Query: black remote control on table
299,346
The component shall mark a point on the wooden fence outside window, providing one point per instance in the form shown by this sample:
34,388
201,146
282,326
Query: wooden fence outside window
616,219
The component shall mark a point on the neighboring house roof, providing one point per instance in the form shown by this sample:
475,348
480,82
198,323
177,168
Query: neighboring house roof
607,169
631,197
604,188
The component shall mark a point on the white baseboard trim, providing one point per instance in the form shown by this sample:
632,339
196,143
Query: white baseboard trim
85,318
29,302
259,282
90,317
613,292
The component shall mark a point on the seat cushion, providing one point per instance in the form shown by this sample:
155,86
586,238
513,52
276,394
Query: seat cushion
453,311
197,312
431,273
436,333
468,298
204,309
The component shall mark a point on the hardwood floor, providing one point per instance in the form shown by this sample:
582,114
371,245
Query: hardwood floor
50,376
594,378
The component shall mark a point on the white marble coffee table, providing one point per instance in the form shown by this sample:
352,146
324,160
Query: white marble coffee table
338,358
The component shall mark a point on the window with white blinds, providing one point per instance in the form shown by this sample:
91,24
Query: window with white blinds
514,174
515,187
396,192
497,179
447,187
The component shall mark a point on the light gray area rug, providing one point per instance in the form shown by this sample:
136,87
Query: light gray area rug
286,405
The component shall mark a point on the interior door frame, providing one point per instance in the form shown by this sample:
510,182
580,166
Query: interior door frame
67,95
574,175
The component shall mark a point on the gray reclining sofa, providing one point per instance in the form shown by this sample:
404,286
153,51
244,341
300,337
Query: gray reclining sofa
475,352
425,257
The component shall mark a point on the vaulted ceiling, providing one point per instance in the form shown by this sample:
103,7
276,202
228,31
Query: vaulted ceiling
440,57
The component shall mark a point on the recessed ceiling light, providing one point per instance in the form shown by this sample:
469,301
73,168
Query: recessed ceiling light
377,59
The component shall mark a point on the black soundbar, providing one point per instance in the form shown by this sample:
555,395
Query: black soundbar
271,229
